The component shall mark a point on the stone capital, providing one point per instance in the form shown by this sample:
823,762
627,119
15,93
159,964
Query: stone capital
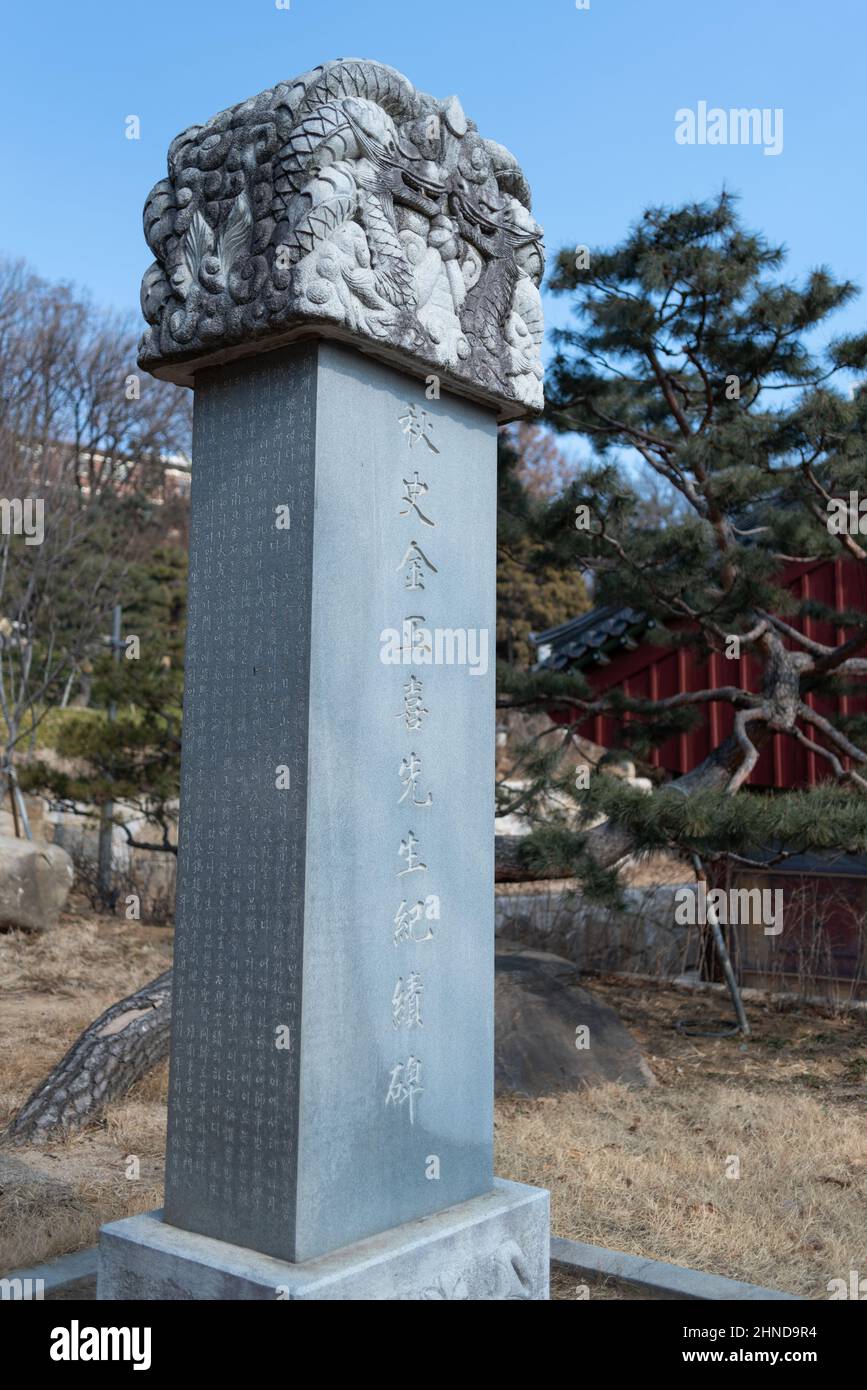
346,204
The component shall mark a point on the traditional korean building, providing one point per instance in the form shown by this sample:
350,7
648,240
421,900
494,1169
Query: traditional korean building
612,649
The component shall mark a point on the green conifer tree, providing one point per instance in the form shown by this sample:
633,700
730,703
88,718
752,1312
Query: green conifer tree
691,360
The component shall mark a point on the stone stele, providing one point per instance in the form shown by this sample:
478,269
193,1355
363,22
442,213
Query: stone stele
347,200
347,276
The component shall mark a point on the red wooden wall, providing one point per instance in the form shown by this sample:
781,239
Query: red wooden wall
656,672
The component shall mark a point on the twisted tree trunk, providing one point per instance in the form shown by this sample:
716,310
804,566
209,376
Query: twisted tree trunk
110,1055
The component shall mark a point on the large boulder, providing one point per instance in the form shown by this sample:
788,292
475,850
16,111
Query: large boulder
35,879
540,1008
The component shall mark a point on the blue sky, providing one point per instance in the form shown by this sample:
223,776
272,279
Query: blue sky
585,99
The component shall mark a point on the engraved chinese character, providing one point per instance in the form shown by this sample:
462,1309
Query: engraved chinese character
407,851
414,559
418,425
406,1001
406,922
415,488
413,711
410,773
416,645
405,1085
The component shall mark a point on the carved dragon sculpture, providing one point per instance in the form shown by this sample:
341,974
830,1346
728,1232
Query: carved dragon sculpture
349,200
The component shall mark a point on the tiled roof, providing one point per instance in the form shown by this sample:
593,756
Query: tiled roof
588,639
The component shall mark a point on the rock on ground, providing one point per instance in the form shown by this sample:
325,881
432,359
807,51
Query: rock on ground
35,879
539,1006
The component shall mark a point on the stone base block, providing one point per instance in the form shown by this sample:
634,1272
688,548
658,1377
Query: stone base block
491,1247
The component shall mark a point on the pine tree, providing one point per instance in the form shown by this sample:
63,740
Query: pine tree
134,758
690,360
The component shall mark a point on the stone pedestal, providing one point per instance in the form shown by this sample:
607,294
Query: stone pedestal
492,1247
347,274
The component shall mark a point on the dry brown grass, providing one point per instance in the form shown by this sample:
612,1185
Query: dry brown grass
642,1172
645,1172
